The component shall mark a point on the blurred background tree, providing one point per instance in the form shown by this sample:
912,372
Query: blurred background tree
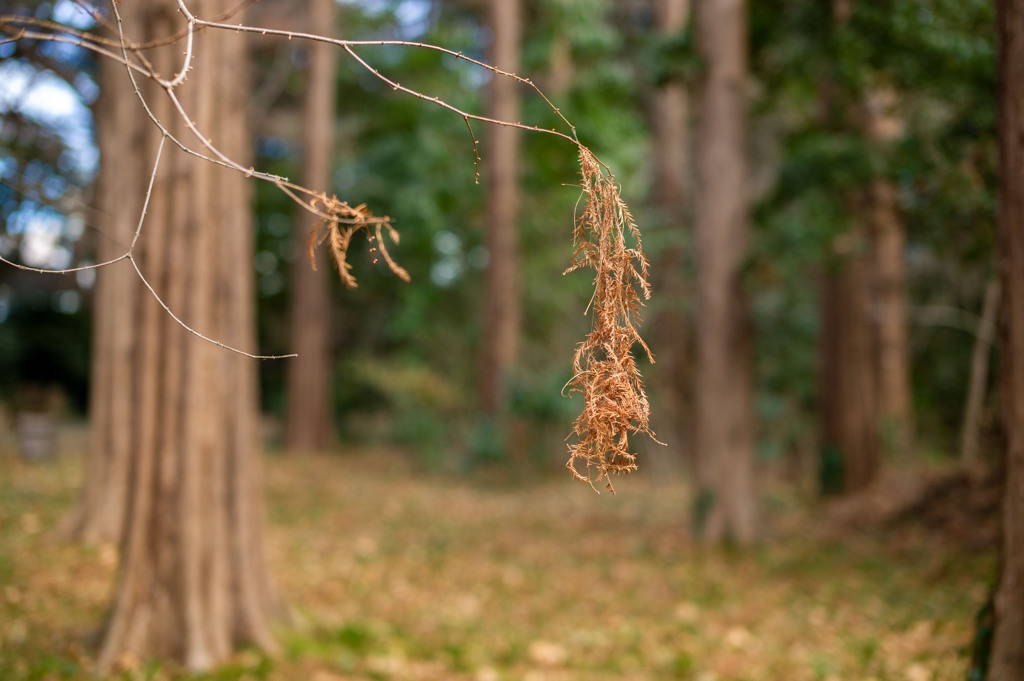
724,372
309,423
501,313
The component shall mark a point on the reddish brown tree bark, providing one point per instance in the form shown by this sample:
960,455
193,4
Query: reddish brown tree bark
724,390
308,425
846,380
192,584
1007,661
501,286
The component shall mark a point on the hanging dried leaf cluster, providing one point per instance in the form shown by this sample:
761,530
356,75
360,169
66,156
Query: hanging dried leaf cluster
340,223
605,371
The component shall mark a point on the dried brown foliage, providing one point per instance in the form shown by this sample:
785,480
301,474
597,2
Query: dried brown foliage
604,368
340,224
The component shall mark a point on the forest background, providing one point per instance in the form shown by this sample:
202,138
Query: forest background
894,95
401,369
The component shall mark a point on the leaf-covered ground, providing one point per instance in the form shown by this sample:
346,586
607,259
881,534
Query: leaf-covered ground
396,574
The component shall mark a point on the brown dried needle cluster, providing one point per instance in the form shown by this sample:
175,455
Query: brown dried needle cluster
604,367
341,223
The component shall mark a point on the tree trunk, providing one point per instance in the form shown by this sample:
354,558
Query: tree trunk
893,349
977,385
724,401
846,379
672,196
99,515
308,426
501,286
560,68
888,243
848,366
1007,662
193,584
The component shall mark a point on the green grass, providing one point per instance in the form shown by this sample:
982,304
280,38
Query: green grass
394,574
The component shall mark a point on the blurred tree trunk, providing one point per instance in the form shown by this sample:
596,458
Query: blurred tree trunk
501,156
192,583
1007,661
977,385
846,377
848,370
724,400
672,196
560,67
308,424
99,515
888,245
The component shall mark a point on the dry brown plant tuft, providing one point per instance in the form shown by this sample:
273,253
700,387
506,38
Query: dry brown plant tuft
341,223
605,371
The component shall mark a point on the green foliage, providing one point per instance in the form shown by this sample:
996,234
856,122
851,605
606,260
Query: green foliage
683,666
488,443
815,71
673,57
981,646
830,471
355,636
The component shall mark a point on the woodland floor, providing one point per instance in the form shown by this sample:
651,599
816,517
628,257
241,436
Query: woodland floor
396,574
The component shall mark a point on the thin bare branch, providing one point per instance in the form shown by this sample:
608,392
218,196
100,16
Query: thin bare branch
188,328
